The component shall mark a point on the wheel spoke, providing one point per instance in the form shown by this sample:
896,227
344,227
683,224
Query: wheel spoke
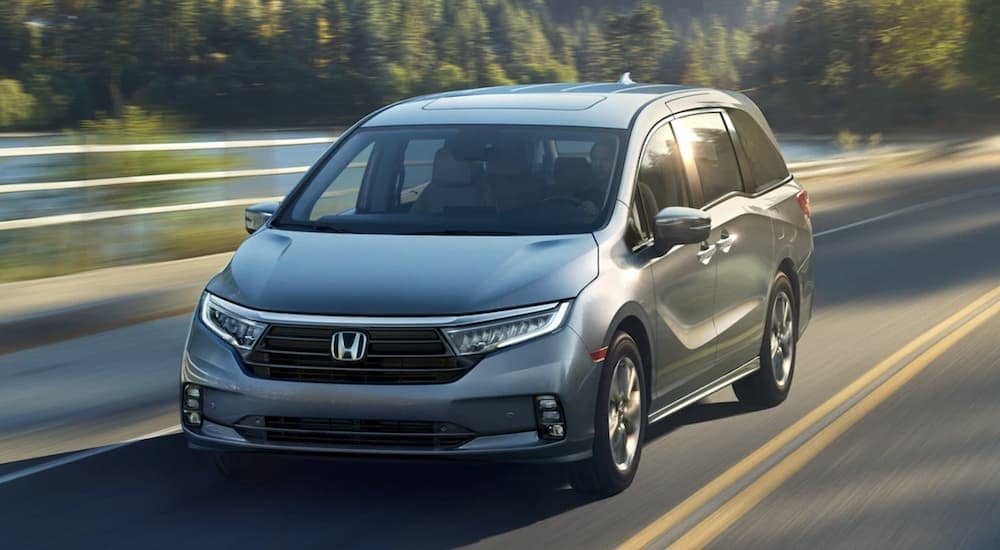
632,412
621,379
632,382
618,444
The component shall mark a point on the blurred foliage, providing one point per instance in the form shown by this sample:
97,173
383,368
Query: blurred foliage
981,55
136,125
817,64
69,248
15,105
847,140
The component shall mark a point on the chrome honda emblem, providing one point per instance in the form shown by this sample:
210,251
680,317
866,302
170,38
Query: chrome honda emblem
349,345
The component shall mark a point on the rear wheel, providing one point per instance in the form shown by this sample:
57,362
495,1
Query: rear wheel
619,423
769,386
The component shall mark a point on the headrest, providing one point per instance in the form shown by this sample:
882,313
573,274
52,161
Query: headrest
571,171
508,156
450,171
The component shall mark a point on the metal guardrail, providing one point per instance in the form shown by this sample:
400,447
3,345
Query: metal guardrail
6,152
152,178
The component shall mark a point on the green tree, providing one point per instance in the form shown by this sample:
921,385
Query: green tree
639,42
15,105
920,42
592,54
981,53
696,71
722,67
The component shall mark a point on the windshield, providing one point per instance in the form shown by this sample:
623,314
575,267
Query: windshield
503,180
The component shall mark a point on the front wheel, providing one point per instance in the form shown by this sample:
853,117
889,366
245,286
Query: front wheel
769,386
619,423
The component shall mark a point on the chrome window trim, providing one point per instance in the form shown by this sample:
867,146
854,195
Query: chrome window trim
271,317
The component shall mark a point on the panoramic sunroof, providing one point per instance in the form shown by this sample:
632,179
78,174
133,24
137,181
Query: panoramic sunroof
546,102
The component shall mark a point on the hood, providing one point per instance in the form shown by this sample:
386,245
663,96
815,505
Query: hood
406,275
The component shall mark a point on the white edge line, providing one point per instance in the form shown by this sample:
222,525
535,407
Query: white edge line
81,455
913,208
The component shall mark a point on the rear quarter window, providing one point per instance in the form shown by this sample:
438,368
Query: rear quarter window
767,167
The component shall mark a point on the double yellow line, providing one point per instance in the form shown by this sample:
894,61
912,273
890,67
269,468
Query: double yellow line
732,510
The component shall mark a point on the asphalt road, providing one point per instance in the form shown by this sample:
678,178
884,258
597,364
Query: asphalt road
909,460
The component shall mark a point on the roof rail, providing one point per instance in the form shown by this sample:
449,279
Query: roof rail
626,78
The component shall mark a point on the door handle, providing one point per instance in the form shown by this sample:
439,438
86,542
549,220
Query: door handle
726,242
706,253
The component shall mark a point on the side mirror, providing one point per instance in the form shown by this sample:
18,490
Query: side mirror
680,225
257,215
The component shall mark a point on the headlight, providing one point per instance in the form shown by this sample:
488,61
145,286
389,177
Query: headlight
231,327
487,337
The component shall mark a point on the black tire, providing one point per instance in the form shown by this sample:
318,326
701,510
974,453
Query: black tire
765,388
600,476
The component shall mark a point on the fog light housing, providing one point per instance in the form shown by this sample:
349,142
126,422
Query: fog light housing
549,416
192,418
191,405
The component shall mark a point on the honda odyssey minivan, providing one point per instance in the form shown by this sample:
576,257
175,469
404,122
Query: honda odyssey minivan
521,273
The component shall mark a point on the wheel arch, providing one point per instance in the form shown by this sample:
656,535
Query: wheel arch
631,320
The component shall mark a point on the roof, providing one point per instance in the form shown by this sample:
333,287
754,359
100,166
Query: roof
593,104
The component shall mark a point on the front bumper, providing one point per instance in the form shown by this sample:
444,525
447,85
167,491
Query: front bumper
495,400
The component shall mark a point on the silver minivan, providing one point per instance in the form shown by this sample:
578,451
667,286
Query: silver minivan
521,273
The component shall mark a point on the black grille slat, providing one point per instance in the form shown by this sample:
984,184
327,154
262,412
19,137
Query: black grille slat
265,349
331,376
394,356
318,333
356,433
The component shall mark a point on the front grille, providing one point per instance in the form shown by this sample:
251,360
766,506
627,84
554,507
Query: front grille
375,434
395,356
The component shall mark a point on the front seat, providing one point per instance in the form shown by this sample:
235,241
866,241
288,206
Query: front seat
455,184
572,177
509,175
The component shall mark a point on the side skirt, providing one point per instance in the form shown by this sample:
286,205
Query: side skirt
746,369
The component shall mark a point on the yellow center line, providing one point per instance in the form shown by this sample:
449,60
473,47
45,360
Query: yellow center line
752,461
720,520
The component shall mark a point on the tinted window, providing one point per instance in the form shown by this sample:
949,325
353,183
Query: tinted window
417,161
766,164
662,172
462,179
704,139
345,181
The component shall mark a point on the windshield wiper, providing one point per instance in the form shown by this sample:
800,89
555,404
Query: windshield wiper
312,227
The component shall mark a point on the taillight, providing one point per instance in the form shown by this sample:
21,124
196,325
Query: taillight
803,198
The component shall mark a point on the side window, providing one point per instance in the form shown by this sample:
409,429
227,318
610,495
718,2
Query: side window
766,164
661,173
705,141
342,194
660,183
639,225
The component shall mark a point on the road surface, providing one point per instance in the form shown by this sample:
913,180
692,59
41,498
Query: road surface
890,438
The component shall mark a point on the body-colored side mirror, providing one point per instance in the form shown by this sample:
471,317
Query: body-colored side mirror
680,225
257,215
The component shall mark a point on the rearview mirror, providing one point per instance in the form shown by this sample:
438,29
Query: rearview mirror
680,225
257,215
